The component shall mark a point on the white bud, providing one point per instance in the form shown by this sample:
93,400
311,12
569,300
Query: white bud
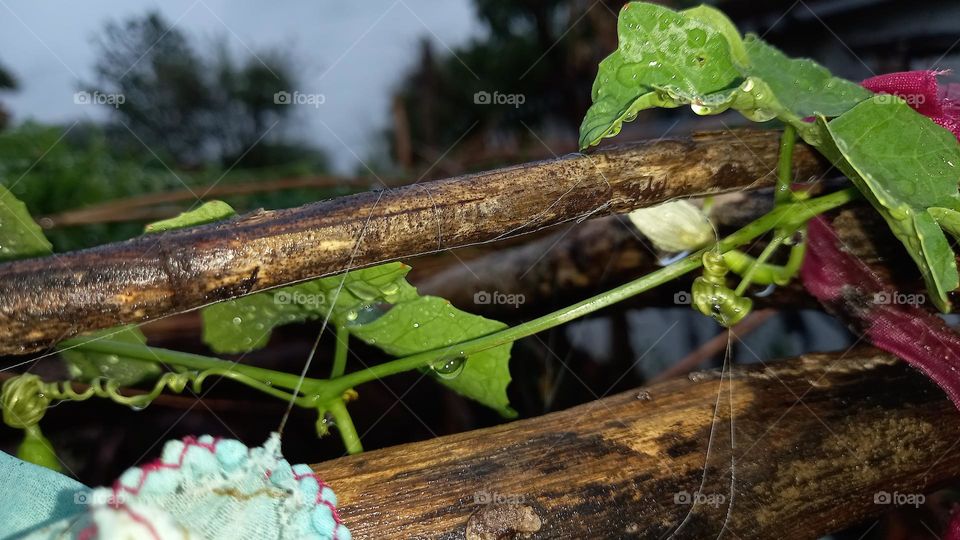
674,226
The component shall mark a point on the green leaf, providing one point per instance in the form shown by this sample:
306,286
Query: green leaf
671,51
615,103
428,323
904,164
378,306
698,57
246,323
665,59
716,19
948,219
802,86
208,212
87,366
20,236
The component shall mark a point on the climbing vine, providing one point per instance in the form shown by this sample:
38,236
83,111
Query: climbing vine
898,160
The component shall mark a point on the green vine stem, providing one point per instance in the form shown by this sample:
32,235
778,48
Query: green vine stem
340,353
767,252
344,425
788,140
765,273
263,379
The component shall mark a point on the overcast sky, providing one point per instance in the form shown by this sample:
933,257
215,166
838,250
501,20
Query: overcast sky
352,52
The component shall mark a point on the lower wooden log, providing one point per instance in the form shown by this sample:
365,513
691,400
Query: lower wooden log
792,450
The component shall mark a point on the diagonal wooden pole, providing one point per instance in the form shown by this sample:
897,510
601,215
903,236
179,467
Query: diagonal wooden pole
49,299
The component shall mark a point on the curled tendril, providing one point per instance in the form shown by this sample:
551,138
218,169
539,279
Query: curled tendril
25,398
713,298
24,401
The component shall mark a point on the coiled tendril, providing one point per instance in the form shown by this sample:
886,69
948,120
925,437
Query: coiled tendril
25,398
713,298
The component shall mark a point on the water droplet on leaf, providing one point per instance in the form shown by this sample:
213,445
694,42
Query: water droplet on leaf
449,368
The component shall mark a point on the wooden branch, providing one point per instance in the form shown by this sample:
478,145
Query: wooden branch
816,441
143,207
46,300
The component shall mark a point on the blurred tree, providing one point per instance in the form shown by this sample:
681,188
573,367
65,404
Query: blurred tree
545,51
190,108
7,82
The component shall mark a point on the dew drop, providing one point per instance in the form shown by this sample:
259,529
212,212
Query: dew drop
449,368
367,314
237,320
390,289
699,109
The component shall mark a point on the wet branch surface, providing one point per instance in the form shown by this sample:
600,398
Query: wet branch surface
46,300
815,442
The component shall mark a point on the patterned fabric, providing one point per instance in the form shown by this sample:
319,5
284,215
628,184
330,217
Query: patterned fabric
208,488
921,91
851,290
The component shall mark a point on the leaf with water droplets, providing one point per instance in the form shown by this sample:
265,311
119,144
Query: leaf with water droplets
86,365
378,306
20,236
803,87
673,51
902,162
665,59
698,57
246,323
716,19
616,102
428,323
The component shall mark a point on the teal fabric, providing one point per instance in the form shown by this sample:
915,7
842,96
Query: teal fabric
32,496
200,487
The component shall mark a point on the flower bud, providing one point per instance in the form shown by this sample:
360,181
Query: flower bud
674,226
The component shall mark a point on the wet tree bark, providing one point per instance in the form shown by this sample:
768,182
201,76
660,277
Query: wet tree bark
49,299
797,449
